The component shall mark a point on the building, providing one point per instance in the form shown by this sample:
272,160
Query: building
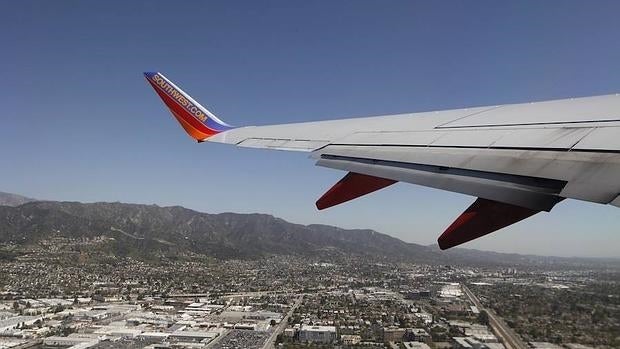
418,335
5,315
84,345
577,346
350,339
451,290
57,341
394,334
416,345
15,321
91,315
247,326
317,334
418,294
158,336
544,345
426,317
193,336
481,333
467,343
115,331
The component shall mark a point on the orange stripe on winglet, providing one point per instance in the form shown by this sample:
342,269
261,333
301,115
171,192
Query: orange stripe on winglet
191,131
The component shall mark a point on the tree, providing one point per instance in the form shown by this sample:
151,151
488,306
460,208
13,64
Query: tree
598,315
483,317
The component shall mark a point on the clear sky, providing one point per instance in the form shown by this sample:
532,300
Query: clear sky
79,122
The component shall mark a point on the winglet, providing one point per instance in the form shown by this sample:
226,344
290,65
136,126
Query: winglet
196,120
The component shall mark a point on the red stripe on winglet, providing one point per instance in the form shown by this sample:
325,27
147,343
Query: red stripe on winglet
178,111
351,186
481,218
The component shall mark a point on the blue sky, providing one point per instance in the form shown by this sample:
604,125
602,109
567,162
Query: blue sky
80,123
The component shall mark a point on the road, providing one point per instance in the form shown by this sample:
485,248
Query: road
230,295
270,343
508,337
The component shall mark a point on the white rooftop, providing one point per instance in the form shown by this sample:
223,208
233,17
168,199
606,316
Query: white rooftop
416,345
318,328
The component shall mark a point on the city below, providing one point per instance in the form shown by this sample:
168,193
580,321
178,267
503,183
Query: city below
70,280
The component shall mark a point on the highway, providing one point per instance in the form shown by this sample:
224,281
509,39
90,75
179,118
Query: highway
234,294
507,336
271,342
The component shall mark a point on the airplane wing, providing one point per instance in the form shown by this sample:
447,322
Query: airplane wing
517,159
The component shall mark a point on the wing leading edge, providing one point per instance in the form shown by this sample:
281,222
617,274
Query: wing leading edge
517,159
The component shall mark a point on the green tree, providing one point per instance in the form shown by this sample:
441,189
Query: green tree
483,317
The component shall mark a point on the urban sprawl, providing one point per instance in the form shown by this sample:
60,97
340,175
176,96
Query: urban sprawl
300,302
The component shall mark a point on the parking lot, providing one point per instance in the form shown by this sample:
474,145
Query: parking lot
242,339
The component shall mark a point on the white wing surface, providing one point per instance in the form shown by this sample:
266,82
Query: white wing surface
517,159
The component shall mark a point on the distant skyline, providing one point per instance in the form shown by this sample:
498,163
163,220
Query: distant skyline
80,123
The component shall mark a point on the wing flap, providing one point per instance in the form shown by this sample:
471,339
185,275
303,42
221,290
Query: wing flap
481,218
350,187
534,193
589,176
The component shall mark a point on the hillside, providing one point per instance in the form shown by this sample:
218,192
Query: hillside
150,231
179,229
8,199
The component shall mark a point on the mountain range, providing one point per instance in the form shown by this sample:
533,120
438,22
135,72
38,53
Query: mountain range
144,230
8,199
